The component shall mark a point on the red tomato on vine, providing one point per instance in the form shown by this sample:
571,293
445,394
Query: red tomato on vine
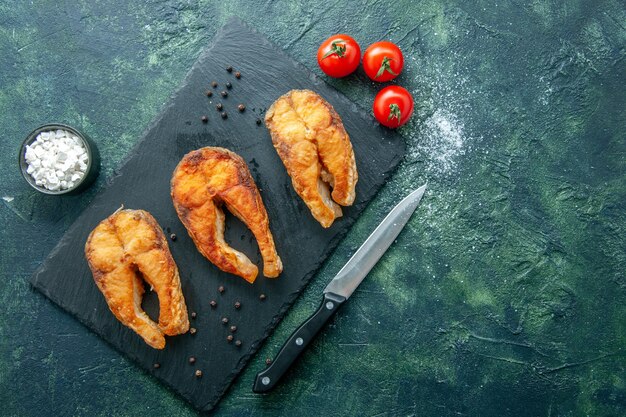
393,106
339,55
383,61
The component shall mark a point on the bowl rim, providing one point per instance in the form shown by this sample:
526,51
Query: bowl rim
32,136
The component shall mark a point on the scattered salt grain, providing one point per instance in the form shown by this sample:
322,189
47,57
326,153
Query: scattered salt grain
443,140
449,133
56,160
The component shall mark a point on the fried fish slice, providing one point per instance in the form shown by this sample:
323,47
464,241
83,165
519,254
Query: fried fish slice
203,181
122,251
315,148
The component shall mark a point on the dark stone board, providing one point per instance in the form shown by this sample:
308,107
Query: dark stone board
143,183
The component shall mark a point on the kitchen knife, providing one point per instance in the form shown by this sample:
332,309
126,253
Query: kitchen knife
340,289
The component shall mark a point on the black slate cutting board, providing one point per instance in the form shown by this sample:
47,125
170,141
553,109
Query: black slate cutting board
143,183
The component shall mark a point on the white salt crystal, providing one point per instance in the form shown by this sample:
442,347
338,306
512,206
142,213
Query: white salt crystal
63,147
29,155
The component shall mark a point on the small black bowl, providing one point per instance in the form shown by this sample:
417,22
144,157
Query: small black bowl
93,160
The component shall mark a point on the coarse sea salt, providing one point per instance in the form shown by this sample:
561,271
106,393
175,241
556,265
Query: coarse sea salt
56,159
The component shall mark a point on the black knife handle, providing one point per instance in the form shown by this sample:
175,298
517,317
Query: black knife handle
294,346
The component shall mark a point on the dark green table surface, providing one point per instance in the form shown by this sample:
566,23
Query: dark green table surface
505,294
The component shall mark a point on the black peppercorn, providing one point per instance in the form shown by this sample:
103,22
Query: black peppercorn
193,315
213,304
204,119
224,115
224,93
268,361
229,85
233,329
229,338
192,331
241,107
192,360
237,305
173,237
262,297
209,93
198,373
214,84
224,321
156,365
221,289
219,106
258,121
238,343
237,75
229,68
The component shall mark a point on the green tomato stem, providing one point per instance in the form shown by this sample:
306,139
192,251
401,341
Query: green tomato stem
394,112
384,66
335,48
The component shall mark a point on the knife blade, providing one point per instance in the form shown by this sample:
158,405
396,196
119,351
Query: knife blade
340,289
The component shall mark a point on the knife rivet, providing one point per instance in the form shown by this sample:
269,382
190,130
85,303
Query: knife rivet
299,341
330,305
265,380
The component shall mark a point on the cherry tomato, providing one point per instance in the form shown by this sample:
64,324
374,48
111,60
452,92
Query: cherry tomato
393,106
383,61
339,55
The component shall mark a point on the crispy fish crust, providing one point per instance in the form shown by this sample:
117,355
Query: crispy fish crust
311,141
204,180
124,248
